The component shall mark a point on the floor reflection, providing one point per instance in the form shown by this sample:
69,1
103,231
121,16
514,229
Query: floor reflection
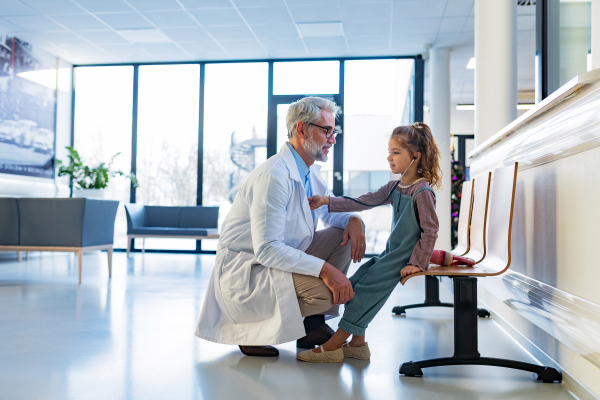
131,337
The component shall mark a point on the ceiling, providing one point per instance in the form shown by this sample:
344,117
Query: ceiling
96,31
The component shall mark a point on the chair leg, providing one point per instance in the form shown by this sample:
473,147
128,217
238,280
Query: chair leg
128,245
465,340
109,253
432,299
79,253
143,245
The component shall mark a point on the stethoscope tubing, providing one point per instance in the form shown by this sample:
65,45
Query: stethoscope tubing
387,197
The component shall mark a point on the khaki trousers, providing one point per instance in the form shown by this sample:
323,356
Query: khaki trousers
314,296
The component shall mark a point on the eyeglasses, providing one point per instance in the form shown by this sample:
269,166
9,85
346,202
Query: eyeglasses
329,132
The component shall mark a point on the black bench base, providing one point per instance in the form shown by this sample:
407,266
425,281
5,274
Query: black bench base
540,373
465,340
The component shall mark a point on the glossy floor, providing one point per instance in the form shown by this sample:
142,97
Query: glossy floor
131,337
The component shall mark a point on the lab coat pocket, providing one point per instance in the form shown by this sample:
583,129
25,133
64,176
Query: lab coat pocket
235,271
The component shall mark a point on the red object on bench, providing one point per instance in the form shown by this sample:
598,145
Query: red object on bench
441,257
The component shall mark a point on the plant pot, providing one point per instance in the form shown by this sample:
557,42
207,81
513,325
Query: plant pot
89,193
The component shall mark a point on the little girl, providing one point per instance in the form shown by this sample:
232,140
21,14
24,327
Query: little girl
413,153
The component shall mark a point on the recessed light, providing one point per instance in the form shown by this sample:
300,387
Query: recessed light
143,35
471,63
320,29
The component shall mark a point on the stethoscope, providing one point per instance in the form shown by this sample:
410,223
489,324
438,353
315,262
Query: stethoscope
389,194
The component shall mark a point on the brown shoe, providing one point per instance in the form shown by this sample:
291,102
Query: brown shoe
315,337
259,351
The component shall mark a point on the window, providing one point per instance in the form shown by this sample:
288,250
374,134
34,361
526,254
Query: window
167,138
235,131
306,77
103,113
377,99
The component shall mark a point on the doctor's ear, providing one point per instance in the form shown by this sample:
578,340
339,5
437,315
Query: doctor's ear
301,129
417,156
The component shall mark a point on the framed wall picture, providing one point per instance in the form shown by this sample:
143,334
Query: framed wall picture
27,109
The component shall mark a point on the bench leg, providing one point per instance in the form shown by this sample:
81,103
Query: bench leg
109,253
18,256
465,340
26,256
432,299
79,254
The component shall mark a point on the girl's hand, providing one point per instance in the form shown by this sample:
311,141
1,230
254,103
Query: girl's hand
317,201
409,270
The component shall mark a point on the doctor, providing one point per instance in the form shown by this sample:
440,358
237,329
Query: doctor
272,266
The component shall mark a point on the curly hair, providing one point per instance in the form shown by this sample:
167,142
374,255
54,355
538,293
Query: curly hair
418,138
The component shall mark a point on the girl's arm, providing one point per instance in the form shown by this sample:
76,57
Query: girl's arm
339,204
421,254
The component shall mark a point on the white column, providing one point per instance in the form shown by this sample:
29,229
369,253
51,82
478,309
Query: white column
595,34
439,122
495,66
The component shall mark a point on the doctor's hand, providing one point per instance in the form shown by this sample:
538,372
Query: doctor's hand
355,233
317,201
338,283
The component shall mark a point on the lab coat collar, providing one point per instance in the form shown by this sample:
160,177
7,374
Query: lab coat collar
290,162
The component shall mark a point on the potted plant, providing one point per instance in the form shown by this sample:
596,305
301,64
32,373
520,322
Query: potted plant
87,181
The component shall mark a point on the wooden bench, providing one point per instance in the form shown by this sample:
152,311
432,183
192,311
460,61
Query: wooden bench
496,261
474,199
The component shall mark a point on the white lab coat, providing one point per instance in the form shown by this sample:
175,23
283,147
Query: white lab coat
250,299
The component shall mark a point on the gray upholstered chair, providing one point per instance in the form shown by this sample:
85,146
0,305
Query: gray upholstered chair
66,225
170,222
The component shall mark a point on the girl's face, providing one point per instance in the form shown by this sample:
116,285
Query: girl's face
399,157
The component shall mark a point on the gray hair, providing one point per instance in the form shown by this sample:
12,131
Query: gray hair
308,110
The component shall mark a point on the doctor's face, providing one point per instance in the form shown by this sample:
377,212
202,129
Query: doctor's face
316,144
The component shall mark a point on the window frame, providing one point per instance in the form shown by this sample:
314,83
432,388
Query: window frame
273,100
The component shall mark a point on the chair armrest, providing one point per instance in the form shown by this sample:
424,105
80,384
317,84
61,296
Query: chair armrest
99,222
136,216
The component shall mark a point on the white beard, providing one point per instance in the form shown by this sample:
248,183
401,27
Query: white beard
314,149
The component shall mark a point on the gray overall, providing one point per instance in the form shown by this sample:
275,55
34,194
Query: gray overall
376,279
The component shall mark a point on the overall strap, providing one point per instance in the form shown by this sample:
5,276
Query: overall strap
424,188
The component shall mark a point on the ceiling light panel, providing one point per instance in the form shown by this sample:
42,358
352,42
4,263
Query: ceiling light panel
321,29
218,17
125,20
143,35
170,19
266,15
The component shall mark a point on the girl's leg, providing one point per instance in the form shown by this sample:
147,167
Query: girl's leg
357,341
335,342
370,294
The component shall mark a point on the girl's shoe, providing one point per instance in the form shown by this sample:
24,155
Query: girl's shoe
361,353
323,356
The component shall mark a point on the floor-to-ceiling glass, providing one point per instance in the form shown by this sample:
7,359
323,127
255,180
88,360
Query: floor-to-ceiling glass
377,98
235,131
103,112
299,79
167,141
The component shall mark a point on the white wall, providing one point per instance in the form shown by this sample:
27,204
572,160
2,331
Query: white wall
29,186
